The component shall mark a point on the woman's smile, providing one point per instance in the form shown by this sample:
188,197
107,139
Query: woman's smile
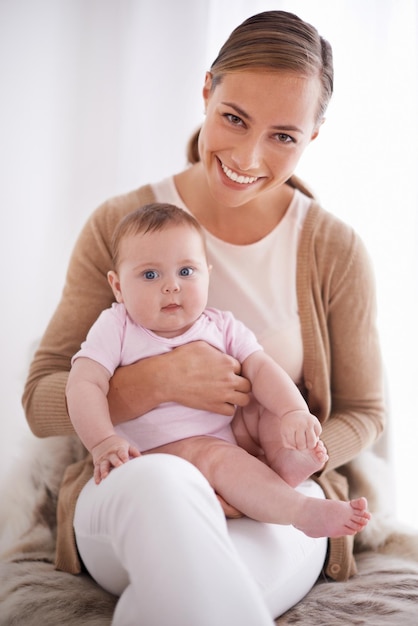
237,178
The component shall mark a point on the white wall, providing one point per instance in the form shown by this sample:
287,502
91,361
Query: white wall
87,87
100,96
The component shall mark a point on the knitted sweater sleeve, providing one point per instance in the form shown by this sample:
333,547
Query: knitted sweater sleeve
86,293
343,366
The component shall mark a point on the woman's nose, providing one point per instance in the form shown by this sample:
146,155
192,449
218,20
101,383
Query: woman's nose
247,155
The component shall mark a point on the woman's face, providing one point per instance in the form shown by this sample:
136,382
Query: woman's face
258,123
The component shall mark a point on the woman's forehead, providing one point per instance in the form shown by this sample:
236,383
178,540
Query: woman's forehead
270,93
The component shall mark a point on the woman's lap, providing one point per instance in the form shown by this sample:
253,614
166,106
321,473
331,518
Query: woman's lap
282,561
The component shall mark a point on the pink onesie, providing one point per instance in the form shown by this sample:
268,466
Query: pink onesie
114,340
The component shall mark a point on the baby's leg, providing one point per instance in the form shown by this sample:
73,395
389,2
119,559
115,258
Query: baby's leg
245,428
256,490
295,466
258,431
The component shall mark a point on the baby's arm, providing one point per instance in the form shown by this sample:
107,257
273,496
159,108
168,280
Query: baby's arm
86,392
275,391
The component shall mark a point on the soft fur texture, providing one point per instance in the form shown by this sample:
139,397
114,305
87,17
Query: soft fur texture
32,592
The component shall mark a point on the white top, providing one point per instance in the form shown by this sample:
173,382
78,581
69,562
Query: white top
257,282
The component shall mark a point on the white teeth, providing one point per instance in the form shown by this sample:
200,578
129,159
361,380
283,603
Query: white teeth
243,180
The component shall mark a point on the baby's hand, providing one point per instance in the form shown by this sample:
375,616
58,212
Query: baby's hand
111,452
300,430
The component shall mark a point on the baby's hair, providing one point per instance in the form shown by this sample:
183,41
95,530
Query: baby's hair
150,218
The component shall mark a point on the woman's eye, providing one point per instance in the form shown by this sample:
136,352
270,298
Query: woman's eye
233,119
150,275
186,271
284,138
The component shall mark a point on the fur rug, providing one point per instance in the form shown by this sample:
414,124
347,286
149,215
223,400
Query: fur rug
385,591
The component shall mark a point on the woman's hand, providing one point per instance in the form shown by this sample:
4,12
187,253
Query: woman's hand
195,375
205,378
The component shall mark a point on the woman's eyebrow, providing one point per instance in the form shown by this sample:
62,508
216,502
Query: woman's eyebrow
238,109
246,116
288,128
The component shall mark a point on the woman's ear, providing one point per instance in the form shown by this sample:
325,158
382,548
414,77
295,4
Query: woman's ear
317,128
114,282
207,87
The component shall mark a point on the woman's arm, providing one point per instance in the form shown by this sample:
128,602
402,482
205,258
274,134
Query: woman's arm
344,373
86,293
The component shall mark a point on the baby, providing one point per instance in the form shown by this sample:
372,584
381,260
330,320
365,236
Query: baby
160,282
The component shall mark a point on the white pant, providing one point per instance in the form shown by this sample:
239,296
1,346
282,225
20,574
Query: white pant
154,534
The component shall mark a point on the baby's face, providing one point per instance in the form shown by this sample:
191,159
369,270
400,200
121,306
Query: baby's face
163,279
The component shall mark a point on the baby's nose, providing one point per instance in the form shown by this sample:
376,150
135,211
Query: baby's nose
171,286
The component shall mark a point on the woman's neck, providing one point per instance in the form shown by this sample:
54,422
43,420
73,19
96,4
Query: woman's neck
241,225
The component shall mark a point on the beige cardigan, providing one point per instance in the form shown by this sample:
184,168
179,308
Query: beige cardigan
342,363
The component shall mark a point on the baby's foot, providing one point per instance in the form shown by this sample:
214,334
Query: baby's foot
332,518
295,466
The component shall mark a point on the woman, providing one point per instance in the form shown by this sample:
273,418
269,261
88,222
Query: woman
293,273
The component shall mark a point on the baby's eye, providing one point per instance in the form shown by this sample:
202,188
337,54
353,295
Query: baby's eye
150,275
186,271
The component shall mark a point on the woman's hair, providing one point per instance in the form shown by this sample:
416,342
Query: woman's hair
274,40
150,218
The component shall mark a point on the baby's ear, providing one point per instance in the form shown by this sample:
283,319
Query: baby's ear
114,282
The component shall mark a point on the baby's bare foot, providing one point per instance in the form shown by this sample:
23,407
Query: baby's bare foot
331,518
295,466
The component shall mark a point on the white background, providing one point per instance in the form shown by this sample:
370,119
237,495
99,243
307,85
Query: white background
100,96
